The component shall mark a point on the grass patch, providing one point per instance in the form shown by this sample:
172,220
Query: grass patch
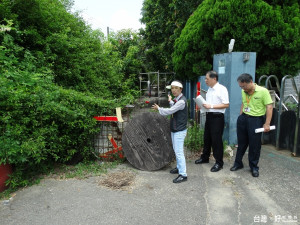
79,171
83,170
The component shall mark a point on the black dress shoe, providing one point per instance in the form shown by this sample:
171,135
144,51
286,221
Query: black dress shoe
255,173
180,179
216,168
174,171
200,161
235,168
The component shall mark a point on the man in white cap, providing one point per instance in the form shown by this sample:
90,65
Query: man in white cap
179,111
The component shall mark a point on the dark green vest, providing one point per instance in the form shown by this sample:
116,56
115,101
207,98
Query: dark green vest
179,119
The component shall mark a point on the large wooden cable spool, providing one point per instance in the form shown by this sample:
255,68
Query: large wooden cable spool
147,143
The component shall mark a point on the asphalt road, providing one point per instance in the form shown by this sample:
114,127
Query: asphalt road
222,198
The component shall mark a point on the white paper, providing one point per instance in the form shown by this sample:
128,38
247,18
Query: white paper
221,70
259,130
200,101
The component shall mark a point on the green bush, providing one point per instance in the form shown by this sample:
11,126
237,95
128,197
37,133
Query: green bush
45,119
41,123
194,139
256,26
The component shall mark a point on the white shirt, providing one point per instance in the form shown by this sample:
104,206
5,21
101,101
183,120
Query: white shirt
180,104
216,95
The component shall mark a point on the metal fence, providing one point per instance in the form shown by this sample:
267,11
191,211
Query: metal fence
108,142
285,118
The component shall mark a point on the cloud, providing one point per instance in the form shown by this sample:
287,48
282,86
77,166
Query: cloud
95,22
122,19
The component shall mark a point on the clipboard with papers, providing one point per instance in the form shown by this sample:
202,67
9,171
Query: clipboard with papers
200,101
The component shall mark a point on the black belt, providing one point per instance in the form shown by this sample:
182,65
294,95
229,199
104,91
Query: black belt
214,113
250,115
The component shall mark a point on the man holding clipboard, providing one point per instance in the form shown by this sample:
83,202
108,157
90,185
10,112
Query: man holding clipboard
217,101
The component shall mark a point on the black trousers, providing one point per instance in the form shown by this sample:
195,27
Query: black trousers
213,132
247,137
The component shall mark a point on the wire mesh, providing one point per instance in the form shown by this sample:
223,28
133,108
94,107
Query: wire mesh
108,142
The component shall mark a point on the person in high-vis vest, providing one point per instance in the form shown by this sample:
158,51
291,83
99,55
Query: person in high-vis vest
179,117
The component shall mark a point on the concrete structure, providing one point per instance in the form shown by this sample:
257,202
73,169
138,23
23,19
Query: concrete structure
289,89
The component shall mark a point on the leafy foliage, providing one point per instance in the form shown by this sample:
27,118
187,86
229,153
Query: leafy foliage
40,121
56,74
194,138
80,58
84,169
272,32
130,47
164,20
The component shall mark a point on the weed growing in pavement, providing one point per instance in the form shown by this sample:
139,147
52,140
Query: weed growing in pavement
225,144
85,169
5,194
194,138
228,149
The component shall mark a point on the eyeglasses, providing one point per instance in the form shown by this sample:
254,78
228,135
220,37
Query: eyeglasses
243,85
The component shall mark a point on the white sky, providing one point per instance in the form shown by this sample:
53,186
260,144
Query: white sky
115,14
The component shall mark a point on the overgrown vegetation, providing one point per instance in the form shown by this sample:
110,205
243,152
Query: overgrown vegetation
255,25
292,106
56,74
194,139
201,29
83,169
164,21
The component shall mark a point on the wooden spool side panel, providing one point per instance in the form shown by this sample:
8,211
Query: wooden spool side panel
147,143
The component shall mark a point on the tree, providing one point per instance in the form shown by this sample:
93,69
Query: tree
164,20
56,74
79,57
255,25
128,45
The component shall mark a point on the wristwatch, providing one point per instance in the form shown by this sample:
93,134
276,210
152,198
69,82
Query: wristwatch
211,106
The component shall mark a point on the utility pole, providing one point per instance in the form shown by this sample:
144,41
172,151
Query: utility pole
107,32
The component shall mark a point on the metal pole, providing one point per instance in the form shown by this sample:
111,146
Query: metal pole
158,87
140,78
261,78
296,129
149,86
280,111
149,73
268,85
297,120
269,82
